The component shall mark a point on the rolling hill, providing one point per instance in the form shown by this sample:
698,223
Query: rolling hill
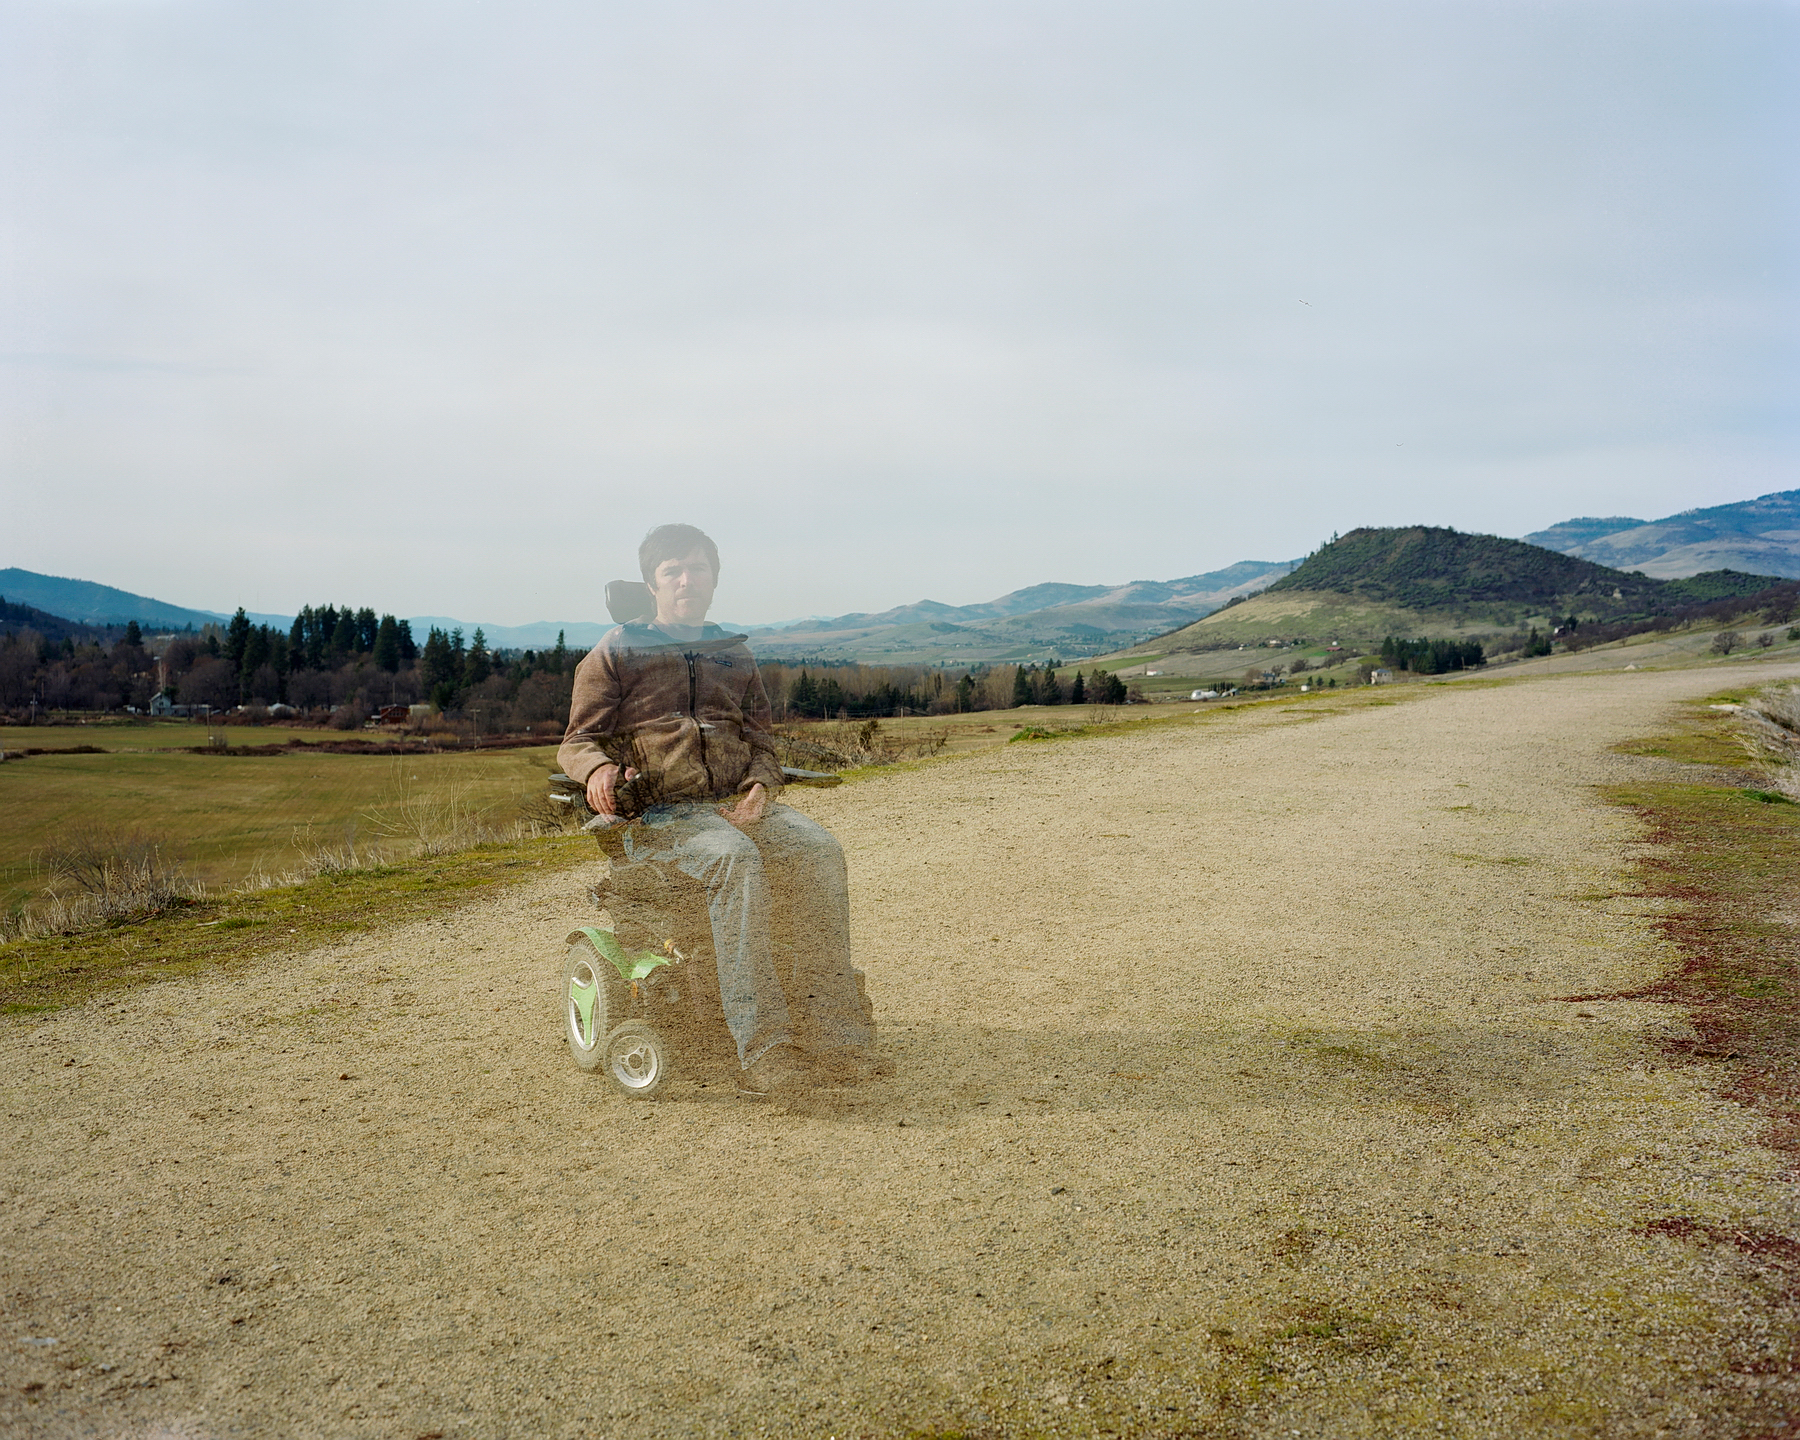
90,603
1032,623
16,617
1423,580
1760,535
1424,567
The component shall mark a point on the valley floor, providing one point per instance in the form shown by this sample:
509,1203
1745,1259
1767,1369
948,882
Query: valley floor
1235,1097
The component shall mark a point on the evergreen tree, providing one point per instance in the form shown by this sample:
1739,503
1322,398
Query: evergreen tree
1078,691
343,635
409,649
387,644
133,635
965,693
256,655
1022,686
476,665
237,636
1049,688
1106,689
559,657
367,629
437,666
297,638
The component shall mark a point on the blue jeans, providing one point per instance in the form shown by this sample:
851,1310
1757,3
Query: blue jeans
780,881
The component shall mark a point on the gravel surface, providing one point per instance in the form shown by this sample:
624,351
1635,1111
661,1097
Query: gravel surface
1234,1097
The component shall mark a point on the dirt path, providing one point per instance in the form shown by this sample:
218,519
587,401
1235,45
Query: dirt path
1233,1100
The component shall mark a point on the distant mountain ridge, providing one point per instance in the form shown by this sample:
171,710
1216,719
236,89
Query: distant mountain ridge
90,603
1761,536
1034,622
1067,619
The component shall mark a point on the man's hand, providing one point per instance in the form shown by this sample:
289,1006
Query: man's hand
749,808
600,788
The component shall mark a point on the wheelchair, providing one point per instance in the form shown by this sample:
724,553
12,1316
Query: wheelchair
640,992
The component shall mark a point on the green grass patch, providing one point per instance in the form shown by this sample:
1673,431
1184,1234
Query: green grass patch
1732,873
52,971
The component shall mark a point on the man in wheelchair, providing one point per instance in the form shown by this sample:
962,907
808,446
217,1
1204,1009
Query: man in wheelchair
669,729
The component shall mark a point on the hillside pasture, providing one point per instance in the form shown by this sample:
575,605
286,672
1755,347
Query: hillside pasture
1331,615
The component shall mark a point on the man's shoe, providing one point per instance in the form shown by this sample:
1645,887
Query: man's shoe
777,1071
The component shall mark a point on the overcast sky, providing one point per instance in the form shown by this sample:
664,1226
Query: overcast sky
437,307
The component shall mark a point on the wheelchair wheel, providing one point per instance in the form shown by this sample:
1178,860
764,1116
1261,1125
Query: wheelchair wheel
637,1059
593,1001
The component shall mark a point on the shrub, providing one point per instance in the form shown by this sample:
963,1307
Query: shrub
1770,724
102,876
1726,641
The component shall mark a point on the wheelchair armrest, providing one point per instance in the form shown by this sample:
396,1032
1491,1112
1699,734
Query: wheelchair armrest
822,778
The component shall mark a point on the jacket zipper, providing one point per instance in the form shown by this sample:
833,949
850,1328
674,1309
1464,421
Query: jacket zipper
694,710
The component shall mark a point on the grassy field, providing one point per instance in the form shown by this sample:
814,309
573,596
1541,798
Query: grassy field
46,972
123,734
227,817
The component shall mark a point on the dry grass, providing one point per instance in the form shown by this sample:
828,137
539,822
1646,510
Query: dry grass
1770,727
101,876
93,876
851,745
229,818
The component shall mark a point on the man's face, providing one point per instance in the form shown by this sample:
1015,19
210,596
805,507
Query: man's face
684,588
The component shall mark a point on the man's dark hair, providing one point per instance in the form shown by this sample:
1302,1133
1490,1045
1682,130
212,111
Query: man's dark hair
671,542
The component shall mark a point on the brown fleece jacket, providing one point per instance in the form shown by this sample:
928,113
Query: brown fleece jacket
692,714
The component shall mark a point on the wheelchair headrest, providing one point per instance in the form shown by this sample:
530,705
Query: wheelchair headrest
628,600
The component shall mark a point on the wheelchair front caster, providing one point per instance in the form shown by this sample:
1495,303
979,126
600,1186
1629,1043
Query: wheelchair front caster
637,1059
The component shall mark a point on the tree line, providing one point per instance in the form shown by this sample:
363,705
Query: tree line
344,663
825,690
341,663
1431,657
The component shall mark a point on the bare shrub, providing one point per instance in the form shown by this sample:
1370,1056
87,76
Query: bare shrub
1726,641
337,856
349,716
539,815
434,820
1781,705
102,876
1770,724
849,744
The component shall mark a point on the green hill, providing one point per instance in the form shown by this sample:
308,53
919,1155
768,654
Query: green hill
1424,580
1423,567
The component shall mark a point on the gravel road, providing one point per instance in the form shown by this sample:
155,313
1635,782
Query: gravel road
1234,1098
